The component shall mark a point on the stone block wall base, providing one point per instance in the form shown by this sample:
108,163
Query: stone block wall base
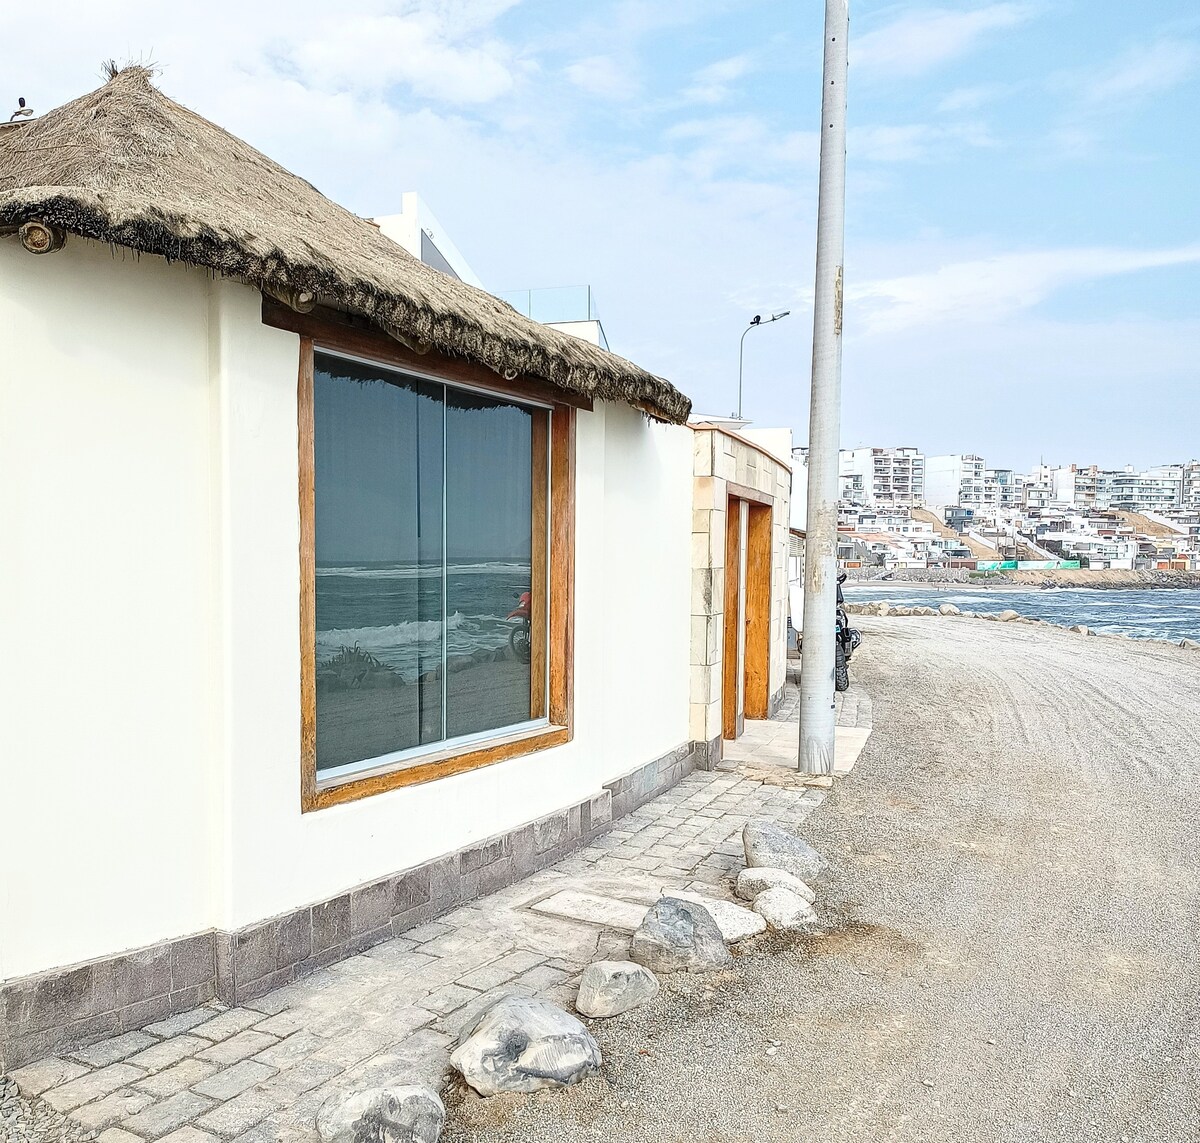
60,1009
709,754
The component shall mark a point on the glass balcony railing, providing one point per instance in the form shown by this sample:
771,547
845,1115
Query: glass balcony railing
554,304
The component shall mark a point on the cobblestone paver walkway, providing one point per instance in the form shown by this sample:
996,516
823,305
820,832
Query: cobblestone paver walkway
259,1073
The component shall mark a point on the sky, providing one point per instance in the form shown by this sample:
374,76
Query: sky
1022,243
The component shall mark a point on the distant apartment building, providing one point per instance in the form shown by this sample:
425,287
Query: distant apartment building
1076,486
958,479
1154,490
882,477
1037,493
1004,487
1190,498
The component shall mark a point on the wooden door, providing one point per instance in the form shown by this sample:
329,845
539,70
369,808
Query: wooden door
731,677
756,590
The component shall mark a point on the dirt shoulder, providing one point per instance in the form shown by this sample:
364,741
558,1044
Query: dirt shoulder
1013,945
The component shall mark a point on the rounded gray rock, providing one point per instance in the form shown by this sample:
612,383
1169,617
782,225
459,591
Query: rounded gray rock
769,846
679,936
783,909
406,1114
610,987
525,1044
752,882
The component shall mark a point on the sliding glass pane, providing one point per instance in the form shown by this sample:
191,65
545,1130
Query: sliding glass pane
490,587
378,442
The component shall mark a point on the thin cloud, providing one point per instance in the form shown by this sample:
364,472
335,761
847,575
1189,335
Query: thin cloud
712,84
420,50
1146,71
602,76
913,142
971,98
926,38
987,289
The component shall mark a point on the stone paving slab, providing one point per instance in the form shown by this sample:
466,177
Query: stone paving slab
594,909
260,1072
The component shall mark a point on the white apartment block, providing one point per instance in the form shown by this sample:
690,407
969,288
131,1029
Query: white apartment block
882,477
1155,490
1075,485
1007,486
1191,486
959,479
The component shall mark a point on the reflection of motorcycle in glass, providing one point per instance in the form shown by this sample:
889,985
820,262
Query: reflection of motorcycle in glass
520,639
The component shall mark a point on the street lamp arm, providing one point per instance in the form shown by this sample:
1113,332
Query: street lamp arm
755,321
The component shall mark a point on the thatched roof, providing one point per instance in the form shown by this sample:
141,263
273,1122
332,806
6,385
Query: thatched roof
126,165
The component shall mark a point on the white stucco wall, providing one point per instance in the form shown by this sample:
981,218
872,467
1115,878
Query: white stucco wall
108,675
151,717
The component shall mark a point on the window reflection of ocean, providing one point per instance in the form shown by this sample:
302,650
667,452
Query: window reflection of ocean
393,611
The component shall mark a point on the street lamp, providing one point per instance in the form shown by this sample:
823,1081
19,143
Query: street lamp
755,321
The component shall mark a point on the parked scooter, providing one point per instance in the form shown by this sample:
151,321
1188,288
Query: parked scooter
520,638
848,639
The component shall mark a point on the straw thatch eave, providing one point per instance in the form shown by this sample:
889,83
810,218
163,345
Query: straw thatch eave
128,166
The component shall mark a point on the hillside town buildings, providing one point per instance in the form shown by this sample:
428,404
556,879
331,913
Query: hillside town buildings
1054,514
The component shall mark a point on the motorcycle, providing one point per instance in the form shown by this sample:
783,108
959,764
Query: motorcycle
848,639
520,638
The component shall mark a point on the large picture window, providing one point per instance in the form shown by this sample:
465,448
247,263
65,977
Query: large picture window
435,540
425,592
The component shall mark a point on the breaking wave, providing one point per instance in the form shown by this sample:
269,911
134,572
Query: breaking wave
400,645
413,571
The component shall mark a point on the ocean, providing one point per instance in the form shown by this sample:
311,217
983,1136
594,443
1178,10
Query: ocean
393,610
1172,613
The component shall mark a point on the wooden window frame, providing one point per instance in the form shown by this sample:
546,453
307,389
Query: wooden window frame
556,507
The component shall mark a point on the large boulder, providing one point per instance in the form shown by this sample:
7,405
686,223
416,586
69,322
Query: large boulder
735,922
525,1044
752,882
679,936
1007,616
769,846
783,909
1189,644
948,609
610,987
382,1115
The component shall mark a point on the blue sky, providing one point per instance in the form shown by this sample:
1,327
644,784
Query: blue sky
1023,243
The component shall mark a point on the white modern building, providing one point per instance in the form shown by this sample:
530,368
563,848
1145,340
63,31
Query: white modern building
882,477
1076,486
417,229
1191,486
958,479
1157,489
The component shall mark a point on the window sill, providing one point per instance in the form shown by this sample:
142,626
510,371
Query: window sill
436,765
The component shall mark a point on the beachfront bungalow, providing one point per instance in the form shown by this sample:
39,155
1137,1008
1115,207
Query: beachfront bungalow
336,592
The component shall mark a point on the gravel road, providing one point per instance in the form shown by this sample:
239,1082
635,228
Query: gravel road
1012,903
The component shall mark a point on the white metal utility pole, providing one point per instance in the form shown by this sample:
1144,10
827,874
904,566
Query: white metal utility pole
817,713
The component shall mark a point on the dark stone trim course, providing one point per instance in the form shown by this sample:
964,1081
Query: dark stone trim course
61,1009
